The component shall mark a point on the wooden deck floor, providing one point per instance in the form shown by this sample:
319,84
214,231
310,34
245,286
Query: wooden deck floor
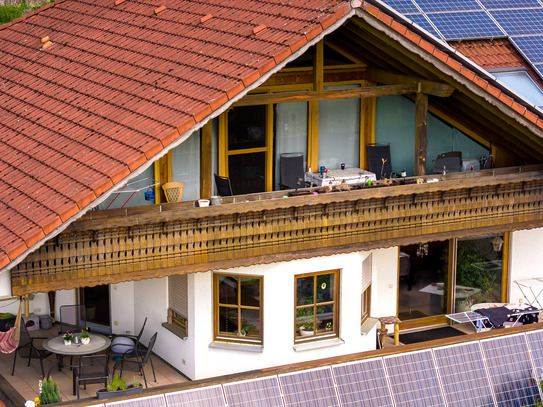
26,379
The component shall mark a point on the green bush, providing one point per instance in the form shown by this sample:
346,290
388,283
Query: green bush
117,383
49,392
8,13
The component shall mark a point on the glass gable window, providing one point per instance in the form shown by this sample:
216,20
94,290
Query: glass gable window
316,305
238,308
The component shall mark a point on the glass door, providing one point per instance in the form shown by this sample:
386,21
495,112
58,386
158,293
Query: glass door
96,301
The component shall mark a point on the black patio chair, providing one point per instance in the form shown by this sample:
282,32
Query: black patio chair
72,318
135,360
224,188
291,170
28,350
122,343
379,160
91,369
448,162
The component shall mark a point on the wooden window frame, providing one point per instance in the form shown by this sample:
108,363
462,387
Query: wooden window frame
365,305
333,332
237,337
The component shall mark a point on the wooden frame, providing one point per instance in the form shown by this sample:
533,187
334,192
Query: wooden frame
238,335
326,333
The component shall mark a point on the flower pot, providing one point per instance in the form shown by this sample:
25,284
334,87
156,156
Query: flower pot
85,341
303,332
105,394
67,343
203,202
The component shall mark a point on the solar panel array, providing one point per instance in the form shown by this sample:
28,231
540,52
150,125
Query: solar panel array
489,372
520,20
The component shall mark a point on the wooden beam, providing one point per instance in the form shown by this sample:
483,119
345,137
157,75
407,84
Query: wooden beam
355,93
367,128
206,161
429,87
304,76
421,133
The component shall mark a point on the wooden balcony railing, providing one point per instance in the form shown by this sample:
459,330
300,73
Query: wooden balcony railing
159,240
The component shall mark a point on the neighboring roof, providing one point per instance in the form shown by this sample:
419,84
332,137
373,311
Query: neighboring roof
93,92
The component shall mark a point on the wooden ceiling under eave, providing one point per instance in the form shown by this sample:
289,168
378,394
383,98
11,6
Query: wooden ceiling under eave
470,108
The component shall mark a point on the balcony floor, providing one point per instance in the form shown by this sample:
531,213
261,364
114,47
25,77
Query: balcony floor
25,380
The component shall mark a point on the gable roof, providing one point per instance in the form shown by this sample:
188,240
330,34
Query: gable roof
93,92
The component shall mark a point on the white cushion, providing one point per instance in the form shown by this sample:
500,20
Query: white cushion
121,344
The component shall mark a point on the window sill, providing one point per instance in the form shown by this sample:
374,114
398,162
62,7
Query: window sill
326,343
174,329
243,347
368,325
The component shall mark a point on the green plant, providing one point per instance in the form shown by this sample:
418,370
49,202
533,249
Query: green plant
68,336
116,383
245,328
49,392
135,382
307,326
85,333
6,315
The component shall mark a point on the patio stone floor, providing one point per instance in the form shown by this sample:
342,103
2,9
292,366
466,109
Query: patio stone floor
26,379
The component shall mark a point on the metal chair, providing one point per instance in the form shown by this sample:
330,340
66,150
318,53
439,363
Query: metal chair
291,172
121,343
91,369
135,360
72,318
224,188
28,350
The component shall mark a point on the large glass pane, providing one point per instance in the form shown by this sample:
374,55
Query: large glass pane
228,290
186,166
325,318
250,292
247,127
325,288
247,173
305,291
478,271
339,131
250,323
228,319
423,276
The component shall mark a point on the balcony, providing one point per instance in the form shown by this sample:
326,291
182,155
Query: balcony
160,240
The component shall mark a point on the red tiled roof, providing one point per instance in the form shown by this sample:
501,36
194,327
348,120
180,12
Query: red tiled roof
120,81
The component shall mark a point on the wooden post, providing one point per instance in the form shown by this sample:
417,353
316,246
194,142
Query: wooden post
206,161
421,133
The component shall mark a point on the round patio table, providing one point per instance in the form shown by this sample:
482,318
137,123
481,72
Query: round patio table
56,345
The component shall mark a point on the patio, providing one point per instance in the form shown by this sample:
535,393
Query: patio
26,378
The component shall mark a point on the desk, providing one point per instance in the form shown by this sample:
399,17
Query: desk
347,176
56,345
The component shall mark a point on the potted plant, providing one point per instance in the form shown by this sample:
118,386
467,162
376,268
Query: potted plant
245,328
85,337
307,328
68,338
7,320
50,393
118,387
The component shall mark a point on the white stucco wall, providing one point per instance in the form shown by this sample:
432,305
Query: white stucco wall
122,308
526,261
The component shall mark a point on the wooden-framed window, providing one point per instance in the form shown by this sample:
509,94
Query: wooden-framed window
178,294
316,302
366,288
238,308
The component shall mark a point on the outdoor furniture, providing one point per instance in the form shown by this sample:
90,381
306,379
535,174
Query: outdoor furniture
91,369
28,350
392,320
72,318
224,188
120,344
448,162
173,191
336,177
291,170
379,159
56,345
135,361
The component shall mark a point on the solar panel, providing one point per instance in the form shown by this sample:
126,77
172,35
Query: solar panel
458,25
520,22
463,375
259,392
151,401
203,397
422,22
496,4
309,388
531,47
362,383
413,379
535,343
403,6
510,369
440,5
